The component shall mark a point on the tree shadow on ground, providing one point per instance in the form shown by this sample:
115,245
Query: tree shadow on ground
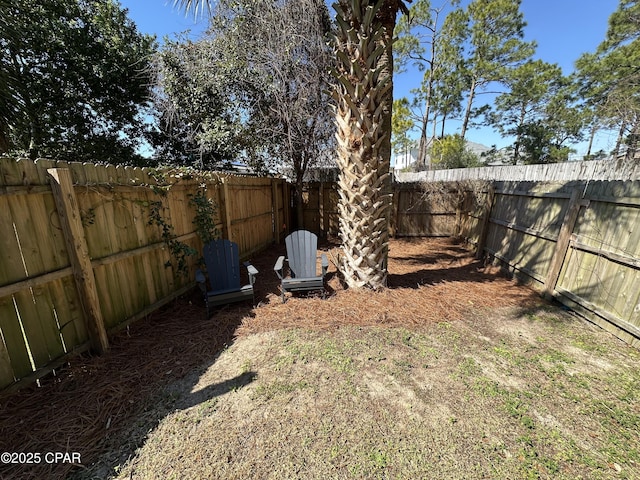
446,261
210,392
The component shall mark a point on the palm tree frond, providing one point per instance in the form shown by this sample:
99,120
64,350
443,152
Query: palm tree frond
199,8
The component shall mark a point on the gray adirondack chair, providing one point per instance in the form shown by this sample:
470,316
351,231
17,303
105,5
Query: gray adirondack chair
223,269
302,255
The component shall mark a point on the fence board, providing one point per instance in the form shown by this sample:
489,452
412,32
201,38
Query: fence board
11,173
44,306
6,372
69,312
599,273
38,336
11,267
30,243
14,338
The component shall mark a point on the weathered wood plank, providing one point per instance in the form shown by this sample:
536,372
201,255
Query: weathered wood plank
562,243
37,338
11,266
79,255
225,207
14,338
69,312
10,172
275,209
618,322
6,371
519,228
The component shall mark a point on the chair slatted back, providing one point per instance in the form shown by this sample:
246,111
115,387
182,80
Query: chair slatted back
302,251
223,264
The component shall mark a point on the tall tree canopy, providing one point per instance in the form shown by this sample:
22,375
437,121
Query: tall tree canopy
79,78
610,77
493,45
198,117
421,42
540,109
464,52
268,67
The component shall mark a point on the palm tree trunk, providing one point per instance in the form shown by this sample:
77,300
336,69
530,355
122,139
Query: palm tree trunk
364,97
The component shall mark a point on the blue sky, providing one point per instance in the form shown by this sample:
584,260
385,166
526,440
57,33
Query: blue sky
563,29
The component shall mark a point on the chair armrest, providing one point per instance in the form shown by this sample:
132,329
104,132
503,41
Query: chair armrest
324,261
279,266
252,271
202,280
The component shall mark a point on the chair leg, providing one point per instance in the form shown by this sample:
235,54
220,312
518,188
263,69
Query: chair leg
206,304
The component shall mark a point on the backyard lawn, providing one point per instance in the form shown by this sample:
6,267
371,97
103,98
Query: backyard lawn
455,371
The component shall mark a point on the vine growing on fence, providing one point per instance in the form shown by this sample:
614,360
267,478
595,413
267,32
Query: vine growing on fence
206,212
180,251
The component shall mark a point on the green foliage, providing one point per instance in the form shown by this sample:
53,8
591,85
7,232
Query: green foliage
426,43
461,56
539,98
204,220
401,123
179,251
538,145
493,45
206,212
76,74
451,152
253,88
198,123
609,77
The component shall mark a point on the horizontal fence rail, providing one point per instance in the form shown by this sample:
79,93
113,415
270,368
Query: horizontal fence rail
81,255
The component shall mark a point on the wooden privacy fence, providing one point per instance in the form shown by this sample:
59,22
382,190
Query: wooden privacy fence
576,241
320,208
621,169
416,211
80,256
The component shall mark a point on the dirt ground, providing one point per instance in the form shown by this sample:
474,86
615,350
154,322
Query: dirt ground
454,371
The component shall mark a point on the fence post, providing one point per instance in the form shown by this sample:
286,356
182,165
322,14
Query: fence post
562,244
321,220
395,205
286,200
71,223
276,214
486,222
226,223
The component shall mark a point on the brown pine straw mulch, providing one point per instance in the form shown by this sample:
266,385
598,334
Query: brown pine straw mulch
91,403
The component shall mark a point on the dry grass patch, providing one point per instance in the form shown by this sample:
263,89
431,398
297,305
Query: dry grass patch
469,399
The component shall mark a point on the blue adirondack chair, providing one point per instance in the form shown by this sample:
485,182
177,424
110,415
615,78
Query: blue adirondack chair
302,255
223,269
